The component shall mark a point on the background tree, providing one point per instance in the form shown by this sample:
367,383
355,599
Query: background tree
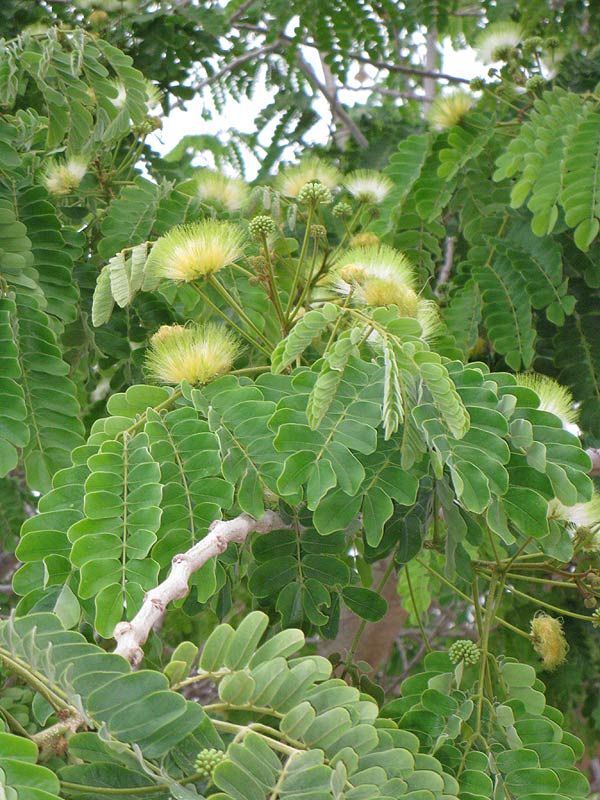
235,414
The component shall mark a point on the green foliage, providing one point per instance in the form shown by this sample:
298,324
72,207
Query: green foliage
380,436
524,745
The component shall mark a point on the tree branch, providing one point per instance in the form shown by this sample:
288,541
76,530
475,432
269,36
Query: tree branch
130,636
337,111
447,265
387,92
389,66
233,65
594,454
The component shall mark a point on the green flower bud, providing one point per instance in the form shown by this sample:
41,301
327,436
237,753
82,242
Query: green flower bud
318,231
464,650
535,83
313,193
260,226
207,760
552,43
532,44
477,84
342,210
596,618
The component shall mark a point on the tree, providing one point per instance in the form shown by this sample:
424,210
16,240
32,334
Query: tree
233,416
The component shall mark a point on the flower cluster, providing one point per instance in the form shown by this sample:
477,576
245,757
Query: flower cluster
62,177
582,518
196,354
378,275
314,193
497,41
207,760
293,179
260,226
368,186
342,209
549,640
449,109
230,194
554,398
189,252
464,650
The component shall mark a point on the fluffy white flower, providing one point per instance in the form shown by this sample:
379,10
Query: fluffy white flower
121,98
495,38
554,398
581,515
292,179
230,193
153,96
448,110
197,354
189,252
368,186
62,177
377,276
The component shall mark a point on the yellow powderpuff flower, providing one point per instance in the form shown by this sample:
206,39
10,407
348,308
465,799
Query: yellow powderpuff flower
549,640
378,276
496,40
62,177
368,186
189,252
293,179
449,109
554,398
365,239
229,193
197,354
428,317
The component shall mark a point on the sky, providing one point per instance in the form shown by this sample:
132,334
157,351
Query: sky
240,114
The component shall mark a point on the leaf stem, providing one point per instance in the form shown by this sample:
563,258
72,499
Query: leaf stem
229,321
417,615
301,257
231,301
543,603
273,286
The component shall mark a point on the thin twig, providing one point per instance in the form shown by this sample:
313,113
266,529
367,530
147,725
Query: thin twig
237,62
389,66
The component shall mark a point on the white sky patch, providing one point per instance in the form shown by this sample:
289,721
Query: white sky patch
239,115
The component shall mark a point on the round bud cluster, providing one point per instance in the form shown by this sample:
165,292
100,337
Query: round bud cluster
147,126
464,650
318,231
365,239
590,601
552,43
260,226
532,44
477,84
207,760
534,83
313,193
98,18
342,210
